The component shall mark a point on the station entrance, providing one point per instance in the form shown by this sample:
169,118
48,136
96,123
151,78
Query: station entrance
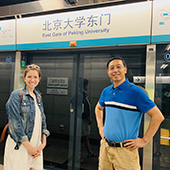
62,88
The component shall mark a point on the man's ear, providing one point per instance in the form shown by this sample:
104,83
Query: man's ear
125,70
107,72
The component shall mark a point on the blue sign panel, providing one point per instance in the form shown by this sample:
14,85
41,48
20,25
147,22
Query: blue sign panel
167,56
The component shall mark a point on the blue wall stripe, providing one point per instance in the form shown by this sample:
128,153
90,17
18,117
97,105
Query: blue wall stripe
114,41
87,43
160,38
7,47
45,45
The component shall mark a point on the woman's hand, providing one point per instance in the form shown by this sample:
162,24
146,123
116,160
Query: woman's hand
32,151
42,146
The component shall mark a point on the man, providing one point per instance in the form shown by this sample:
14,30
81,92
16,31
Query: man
124,103
86,120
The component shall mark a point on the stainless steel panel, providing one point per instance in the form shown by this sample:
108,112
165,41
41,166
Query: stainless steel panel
17,70
150,87
32,7
5,11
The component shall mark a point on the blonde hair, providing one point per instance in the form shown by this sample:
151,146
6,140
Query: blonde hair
32,67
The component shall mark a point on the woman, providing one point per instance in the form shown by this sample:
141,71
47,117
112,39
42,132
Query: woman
27,125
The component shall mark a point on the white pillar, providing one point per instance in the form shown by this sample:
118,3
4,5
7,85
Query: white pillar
150,88
17,70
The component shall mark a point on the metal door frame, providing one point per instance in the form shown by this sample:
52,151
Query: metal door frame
150,87
76,113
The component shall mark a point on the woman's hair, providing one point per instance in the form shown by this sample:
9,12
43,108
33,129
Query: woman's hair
32,67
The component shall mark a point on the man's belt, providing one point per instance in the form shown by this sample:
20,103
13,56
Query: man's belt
116,144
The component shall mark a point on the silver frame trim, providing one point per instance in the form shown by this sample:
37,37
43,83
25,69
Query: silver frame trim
150,88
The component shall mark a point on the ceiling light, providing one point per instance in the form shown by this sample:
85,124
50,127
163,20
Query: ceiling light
164,66
167,47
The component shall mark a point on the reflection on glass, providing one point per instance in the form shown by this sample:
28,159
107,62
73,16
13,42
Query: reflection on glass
162,99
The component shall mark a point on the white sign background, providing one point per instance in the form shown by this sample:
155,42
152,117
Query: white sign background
161,20
106,22
7,32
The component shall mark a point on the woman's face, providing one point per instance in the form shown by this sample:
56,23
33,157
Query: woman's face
32,79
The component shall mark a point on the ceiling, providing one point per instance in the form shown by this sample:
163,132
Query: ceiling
13,2
80,2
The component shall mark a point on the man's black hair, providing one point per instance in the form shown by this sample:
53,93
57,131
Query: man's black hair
117,58
86,82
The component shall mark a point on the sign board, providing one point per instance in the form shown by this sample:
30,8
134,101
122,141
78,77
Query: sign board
167,56
164,137
8,60
113,25
159,79
7,35
57,85
161,21
138,79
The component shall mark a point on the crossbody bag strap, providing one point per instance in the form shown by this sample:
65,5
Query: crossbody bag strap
39,96
21,95
3,133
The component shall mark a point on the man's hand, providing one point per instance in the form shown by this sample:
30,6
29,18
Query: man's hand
135,143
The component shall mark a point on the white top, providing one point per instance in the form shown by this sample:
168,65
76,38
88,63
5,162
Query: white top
19,159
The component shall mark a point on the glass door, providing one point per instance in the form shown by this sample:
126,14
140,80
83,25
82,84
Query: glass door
57,87
95,71
162,99
74,141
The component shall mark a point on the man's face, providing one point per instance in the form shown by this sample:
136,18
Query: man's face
116,71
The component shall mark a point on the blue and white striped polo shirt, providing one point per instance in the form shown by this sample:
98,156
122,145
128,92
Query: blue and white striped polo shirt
124,107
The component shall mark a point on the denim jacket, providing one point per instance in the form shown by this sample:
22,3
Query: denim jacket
21,115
